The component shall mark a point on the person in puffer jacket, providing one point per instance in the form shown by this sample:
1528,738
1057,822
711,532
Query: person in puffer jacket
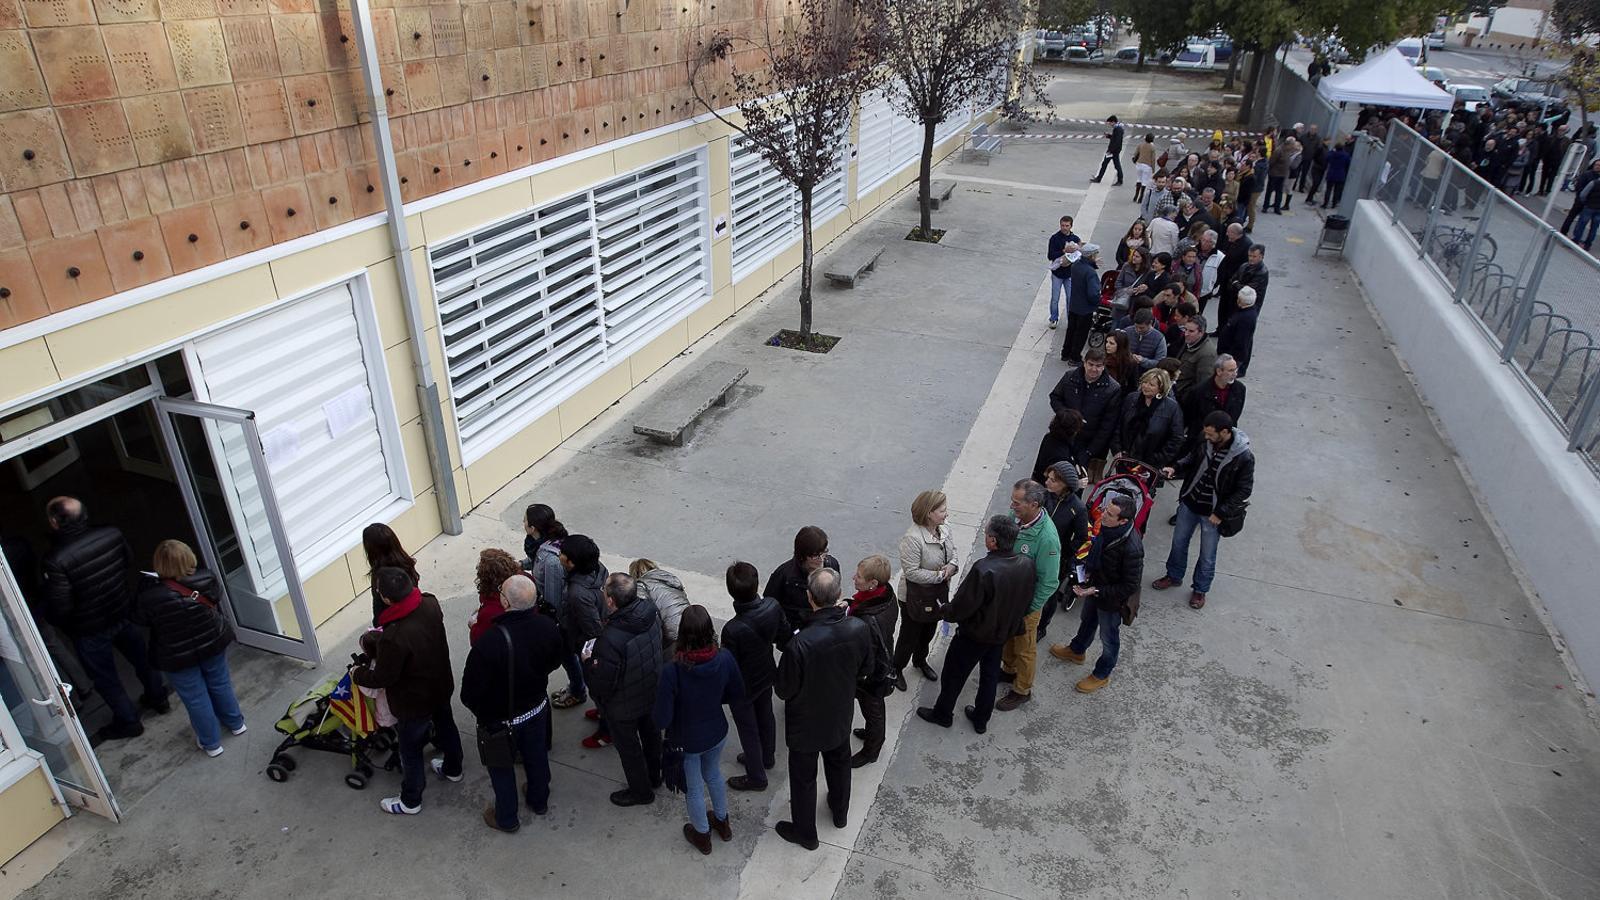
623,670
665,590
189,641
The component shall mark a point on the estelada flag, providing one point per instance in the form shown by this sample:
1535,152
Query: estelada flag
352,707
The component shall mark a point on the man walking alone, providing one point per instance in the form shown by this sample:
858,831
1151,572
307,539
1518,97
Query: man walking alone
1113,151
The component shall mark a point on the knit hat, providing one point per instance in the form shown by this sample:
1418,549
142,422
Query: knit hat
1090,249
1067,472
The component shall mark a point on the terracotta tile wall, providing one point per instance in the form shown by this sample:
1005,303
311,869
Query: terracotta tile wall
145,138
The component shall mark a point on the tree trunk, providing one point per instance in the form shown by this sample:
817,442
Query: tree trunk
1233,69
1258,64
925,180
805,263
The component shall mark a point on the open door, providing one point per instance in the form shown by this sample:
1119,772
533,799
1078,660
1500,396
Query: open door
41,708
222,472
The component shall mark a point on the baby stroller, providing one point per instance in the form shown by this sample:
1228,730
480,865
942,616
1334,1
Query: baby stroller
1131,478
334,717
1105,314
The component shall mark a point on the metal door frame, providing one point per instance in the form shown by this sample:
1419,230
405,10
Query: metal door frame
306,648
60,704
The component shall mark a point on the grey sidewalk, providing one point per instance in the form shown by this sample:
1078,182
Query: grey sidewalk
1368,706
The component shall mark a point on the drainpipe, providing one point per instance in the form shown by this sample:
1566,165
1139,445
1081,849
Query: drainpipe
444,483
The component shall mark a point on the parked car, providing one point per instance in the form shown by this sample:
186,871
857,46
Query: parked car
1052,44
1222,47
1470,95
1085,53
1411,48
1195,56
1435,40
1126,55
1435,75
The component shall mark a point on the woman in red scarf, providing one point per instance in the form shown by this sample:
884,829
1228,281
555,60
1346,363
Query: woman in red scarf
874,599
689,698
494,567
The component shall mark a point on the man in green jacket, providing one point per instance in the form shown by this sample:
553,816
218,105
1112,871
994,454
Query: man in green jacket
1037,540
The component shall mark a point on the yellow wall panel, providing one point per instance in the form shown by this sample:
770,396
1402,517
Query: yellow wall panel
470,213
415,441
27,811
383,282
505,462
788,260
132,331
721,205
642,153
721,264
327,592
25,368
709,316
752,286
402,383
315,266
415,527
416,234
643,363
717,157
570,179
583,406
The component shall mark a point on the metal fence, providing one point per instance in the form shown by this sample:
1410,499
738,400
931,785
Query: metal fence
1531,290
1285,97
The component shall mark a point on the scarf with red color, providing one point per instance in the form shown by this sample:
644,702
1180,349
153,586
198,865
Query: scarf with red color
696,657
399,609
867,597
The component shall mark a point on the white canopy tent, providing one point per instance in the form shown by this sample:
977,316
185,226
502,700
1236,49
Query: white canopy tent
1387,79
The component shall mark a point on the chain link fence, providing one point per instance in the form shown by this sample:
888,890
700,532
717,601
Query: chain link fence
1529,288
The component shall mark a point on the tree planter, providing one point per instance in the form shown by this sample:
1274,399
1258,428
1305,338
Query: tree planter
933,235
791,340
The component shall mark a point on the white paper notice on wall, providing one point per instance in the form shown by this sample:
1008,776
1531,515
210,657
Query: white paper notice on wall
347,410
281,445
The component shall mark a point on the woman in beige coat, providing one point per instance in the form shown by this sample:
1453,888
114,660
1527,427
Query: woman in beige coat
927,561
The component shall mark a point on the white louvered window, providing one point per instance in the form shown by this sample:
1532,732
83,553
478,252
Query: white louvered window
533,308
766,207
875,153
304,371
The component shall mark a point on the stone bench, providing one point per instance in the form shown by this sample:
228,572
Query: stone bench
939,192
670,416
851,264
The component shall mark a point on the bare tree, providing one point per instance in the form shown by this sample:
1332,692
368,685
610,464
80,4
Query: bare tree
943,55
793,80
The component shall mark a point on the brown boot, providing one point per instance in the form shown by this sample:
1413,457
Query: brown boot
1065,651
700,839
722,828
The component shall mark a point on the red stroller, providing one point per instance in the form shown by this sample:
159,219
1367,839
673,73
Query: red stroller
1130,477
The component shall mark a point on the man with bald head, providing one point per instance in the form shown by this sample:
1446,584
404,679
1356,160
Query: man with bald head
88,593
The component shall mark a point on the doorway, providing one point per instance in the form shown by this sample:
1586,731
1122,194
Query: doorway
156,466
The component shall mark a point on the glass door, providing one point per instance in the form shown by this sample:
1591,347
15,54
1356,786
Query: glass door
222,472
41,708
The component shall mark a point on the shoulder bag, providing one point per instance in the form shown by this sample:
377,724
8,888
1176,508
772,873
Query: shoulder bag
498,749
183,590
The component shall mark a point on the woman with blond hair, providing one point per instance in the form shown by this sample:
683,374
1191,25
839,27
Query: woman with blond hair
927,563
665,591
189,641
1150,429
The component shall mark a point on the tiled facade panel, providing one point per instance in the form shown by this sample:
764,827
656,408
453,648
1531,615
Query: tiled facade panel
129,126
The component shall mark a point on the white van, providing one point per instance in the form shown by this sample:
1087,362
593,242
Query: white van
1195,56
1411,48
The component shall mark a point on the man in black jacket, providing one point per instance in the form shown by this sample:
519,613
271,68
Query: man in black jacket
1218,476
988,609
504,684
622,670
1252,274
1221,391
789,581
756,627
88,594
413,667
1113,150
1095,395
1114,566
817,678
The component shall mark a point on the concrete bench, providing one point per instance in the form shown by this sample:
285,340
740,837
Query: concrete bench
981,145
670,416
851,264
939,192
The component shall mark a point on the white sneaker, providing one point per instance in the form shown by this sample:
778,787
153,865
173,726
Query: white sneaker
240,730
214,752
393,806
438,769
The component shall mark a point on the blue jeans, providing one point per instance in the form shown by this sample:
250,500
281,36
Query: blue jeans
1110,625
532,740
1058,287
94,651
413,735
1178,560
702,773
1590,219
574,670
207,693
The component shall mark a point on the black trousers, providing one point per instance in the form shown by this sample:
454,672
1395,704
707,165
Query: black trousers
803,785
1049,611
912,644
758,734
876,714
1547,175
1332,193
1572,216
960,658
1112,159
638,743
1077,334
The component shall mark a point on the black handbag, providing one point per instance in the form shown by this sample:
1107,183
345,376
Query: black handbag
673,778
497,749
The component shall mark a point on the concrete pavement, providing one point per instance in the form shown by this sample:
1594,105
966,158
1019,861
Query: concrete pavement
1369,705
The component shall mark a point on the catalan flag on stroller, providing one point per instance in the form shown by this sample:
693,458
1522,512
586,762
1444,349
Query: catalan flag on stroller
352,707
